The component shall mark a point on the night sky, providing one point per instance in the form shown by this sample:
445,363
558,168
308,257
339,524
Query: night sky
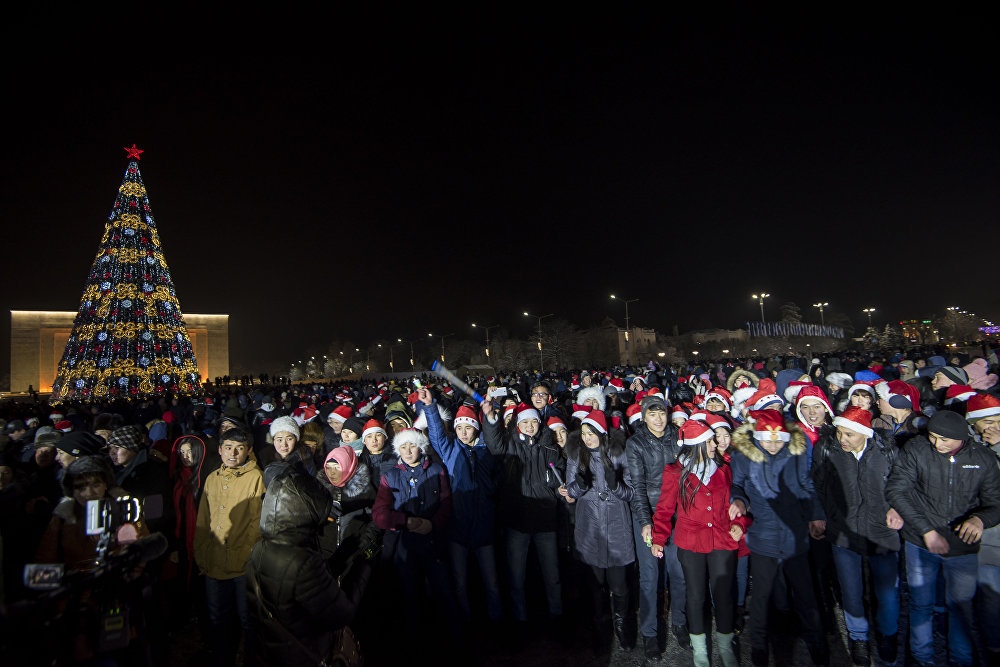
367,183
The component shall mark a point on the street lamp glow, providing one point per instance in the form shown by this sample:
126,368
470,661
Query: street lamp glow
821,306
868,311
760,299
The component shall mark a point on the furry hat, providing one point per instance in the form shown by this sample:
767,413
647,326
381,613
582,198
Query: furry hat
740,376
411,435
839,380
593,392
285,425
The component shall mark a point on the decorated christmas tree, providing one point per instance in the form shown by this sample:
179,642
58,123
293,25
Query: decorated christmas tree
128,339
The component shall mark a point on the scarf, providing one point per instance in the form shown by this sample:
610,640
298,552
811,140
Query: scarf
186,513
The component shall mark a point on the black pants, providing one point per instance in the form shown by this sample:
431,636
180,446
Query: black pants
613,576
715,571
765,571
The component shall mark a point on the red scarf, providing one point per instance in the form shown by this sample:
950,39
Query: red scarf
186,513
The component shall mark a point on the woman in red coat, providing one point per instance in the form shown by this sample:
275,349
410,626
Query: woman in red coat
697,488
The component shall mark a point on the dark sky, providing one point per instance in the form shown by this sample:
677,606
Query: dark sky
364,183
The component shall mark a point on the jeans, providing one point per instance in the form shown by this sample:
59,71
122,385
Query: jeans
486,557
885,576
989,605
959,572
715,572
226,600
517,563
650,569
742,579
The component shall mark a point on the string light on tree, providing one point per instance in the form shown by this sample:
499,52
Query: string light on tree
128,339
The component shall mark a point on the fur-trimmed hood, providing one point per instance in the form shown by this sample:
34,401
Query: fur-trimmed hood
616,443
593,392
744,443
737,374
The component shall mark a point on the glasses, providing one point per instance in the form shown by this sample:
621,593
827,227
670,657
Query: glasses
540,394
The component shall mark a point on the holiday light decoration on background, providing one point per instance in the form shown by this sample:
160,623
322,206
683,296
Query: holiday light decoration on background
129,339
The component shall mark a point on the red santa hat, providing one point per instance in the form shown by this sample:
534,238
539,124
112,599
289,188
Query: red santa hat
581,411
372,426
655,391
556,423
855,419
866,385
64,425
634,413
958,393
56,416
767,424
341,414
720,393
700,415
678,413
766,394
447,390
617,384
982,405
909,396
715,421
597,421
525,412
467,415
508,410
695,432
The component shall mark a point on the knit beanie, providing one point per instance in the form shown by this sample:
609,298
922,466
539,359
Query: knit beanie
284,425
948,424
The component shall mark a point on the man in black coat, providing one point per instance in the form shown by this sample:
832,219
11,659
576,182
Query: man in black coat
946,488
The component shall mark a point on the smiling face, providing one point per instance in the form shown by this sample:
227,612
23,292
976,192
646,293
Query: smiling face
656,421
284,443
715,405
528,426
813,411
539,397
862,399
723,438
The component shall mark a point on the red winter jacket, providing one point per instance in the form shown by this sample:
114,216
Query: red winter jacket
704,526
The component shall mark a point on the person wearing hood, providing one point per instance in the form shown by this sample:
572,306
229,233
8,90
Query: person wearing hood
414,506
532,464
474,472
597,477
771,481
946,487
187,474
850,468
651,448
296,602
352,493
813,412
227,527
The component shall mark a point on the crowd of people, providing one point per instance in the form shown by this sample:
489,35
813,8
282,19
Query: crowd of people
649,502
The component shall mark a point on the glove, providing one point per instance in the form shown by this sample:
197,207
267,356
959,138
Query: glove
584,479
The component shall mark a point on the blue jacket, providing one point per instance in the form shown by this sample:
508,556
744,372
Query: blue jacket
473,472
413,491
778,492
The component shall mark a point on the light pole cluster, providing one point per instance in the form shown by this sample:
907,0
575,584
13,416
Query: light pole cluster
760,299
492,326
868,312
821,305
541,363
628,354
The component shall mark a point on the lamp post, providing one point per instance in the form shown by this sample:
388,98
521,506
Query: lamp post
400,340
821,306
628,355
541,363
760,299
350,366
868,311
430,335
492,326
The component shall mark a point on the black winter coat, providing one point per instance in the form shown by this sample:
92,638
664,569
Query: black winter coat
647,457
296,590
852,493
934,491
528,495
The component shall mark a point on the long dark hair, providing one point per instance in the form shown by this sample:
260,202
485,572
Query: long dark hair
584,455
690,482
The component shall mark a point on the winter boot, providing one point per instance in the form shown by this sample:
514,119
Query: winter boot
860,652
727,651
681,635
619,614
700,648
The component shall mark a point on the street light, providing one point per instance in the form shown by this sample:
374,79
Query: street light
869,312
821,306
628,356
400,340
492,326
541,363
430,335
760,299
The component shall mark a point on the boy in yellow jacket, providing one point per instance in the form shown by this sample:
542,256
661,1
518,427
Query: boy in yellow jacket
227,528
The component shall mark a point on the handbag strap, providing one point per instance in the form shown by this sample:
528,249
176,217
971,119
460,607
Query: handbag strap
278,624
